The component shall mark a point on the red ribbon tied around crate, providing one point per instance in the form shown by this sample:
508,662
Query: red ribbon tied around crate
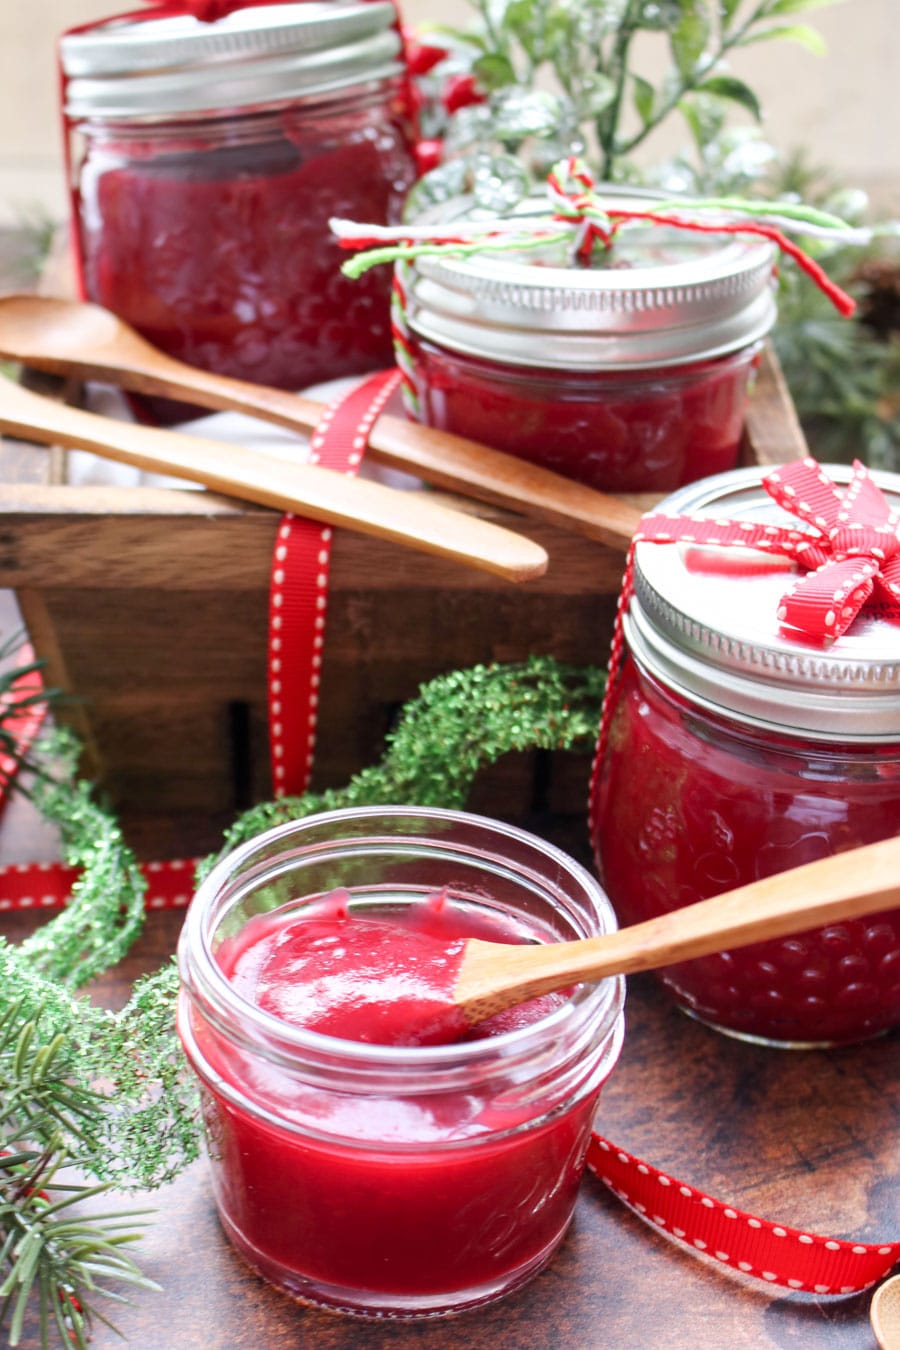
851,546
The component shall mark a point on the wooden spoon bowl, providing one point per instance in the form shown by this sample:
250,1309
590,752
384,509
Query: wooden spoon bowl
884,1314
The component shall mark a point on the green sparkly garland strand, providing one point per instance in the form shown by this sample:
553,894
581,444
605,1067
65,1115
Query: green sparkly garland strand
106,910
459,724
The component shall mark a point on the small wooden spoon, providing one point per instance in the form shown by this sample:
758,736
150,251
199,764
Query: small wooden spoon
69,337
884,1314
494,976
321,494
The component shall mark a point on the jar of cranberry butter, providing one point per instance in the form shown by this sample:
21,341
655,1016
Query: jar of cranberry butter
734,746
629,374
207,160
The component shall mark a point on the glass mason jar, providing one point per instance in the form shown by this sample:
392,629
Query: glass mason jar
212,156
385,1180
733,752
629,377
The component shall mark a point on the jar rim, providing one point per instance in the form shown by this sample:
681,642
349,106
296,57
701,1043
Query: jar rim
207,985
251,58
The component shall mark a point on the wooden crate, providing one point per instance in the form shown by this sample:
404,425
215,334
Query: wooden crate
149,607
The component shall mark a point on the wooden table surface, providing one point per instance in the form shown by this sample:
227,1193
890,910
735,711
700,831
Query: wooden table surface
805,1138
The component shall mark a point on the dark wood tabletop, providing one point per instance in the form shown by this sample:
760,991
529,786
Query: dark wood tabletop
803,1138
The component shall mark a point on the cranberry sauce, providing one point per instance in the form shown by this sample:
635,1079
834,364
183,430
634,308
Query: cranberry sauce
212,240
691,804
384,977
618,431
355,1199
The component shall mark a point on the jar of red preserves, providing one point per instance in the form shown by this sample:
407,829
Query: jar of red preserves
732,750
630,374
401,1179
210,158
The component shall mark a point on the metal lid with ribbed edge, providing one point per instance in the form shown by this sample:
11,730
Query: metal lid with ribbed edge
668,297
704,622
250,58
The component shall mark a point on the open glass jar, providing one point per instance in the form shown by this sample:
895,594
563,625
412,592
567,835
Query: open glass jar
630,375
734,751
384,1180
212,156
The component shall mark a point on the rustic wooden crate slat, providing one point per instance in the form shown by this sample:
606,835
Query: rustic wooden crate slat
149,606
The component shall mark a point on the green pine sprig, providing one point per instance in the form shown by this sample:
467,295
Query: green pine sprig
56,1261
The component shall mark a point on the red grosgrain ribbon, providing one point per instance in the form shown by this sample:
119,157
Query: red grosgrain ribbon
207,11
851,545
298,592
24,724
767,1251
48,885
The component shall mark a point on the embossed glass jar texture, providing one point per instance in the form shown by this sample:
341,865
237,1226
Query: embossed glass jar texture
388,1180
209,158
734,752
631,376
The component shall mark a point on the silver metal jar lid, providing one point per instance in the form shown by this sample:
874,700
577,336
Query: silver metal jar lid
250,58
704,623
669,297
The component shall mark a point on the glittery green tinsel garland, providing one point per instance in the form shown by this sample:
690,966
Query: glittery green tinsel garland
459,724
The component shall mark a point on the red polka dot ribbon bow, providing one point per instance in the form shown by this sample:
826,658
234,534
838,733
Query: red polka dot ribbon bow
207,11
850,545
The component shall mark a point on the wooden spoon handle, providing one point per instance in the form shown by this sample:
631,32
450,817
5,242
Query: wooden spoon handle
444,460
333,498
850,884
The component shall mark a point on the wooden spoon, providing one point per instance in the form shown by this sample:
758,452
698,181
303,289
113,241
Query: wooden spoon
69,337
494,976
321,494
884,1314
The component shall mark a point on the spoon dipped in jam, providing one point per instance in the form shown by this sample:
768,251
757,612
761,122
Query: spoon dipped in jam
402,983
68,337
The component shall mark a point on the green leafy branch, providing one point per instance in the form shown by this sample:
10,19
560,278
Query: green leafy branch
573,73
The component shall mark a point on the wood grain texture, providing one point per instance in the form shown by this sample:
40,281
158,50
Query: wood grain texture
331,498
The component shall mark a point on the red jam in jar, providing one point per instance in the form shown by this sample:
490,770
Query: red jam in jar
629,377
734,752
390,1179
212,157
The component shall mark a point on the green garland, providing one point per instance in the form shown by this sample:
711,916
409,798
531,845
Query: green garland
149,1129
